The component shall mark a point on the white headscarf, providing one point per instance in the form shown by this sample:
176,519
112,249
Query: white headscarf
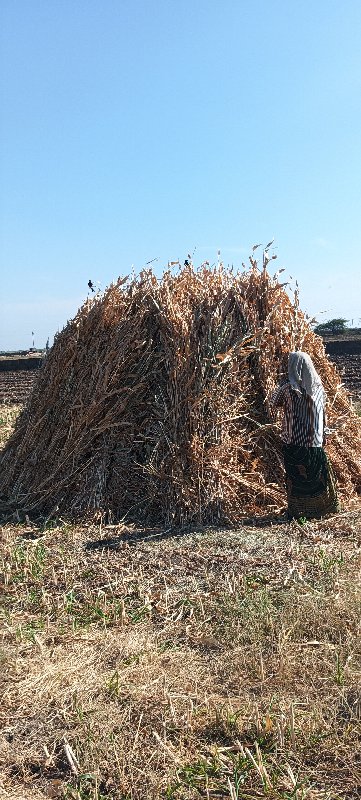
302,374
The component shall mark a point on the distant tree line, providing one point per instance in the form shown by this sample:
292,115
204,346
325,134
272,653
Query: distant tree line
331,326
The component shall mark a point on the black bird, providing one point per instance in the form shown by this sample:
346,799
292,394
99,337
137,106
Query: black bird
91,286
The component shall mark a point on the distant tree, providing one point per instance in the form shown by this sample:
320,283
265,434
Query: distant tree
332,326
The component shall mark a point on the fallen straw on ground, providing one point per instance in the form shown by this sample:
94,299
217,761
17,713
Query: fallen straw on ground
136,666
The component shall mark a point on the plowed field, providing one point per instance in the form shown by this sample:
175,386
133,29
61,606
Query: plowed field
349,367
15,387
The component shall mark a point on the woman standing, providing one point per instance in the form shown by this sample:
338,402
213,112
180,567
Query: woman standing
311,487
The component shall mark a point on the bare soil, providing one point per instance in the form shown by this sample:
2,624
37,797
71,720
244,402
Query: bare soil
349,367
15,387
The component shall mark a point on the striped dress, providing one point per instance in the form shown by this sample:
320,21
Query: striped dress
310,483
303,421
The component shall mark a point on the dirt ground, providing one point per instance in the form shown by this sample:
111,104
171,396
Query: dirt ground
349,367
15,387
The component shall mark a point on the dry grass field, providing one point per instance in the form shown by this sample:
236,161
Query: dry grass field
143,664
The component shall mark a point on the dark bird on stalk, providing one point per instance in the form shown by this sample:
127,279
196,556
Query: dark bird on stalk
91,286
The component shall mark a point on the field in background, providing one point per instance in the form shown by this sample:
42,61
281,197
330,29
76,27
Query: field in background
349,367
15,387
154,664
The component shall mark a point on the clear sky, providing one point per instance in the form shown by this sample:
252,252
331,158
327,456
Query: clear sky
141,129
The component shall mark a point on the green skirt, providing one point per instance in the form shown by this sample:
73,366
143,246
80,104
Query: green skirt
311,485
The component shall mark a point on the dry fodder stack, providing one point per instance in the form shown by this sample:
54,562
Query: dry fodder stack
153,403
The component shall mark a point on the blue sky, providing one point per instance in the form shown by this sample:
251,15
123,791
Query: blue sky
134,130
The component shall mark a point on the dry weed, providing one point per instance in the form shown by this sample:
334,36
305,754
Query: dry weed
143,664
8,416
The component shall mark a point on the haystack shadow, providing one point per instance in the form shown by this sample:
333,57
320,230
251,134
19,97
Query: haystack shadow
145,535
